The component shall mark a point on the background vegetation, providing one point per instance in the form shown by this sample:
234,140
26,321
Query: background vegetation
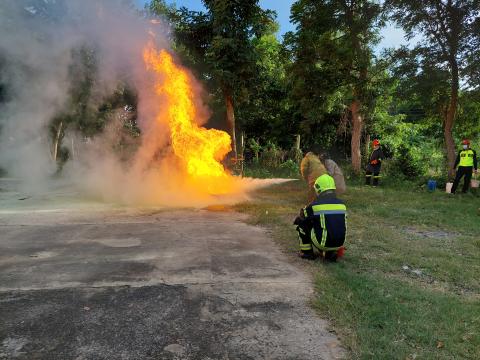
324,81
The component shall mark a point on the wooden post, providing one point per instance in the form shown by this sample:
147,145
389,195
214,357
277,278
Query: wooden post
73,150
57,140
367,146
242,153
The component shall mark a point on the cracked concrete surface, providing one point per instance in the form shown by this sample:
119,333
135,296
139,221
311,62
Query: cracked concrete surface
92,281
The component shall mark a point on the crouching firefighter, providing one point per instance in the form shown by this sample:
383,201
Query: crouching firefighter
322,225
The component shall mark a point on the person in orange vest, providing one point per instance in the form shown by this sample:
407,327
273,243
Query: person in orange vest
374,164
467,163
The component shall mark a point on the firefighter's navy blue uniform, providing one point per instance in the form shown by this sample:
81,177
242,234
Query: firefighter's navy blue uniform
373,167
322,225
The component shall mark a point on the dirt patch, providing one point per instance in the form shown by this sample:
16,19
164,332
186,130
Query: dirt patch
218,208
120,243
431,234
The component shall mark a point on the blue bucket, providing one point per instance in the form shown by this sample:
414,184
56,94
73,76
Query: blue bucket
431,185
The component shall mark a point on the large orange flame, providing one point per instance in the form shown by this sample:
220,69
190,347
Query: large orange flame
199,149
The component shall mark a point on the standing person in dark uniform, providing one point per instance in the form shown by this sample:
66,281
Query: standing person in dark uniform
374,164
467,163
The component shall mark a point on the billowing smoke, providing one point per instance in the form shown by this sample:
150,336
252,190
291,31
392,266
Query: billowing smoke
37,50
36,47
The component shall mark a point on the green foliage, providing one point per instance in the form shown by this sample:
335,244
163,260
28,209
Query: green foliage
305,85
295,155
333,64
406,164
272,161
468,124
264,112
255,146
272,156
160,7
290,167
218,43
88,114
286,170
446,58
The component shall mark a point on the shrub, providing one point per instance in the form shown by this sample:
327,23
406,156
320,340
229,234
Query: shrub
272,156
295,155
289,169
255,147
406,164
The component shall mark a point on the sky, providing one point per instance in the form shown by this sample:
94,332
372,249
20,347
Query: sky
392,36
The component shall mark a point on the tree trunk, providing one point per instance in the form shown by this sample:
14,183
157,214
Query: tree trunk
450,119
367,145
56,142
231,119
242,153
357,127
297,143
73,149
358,63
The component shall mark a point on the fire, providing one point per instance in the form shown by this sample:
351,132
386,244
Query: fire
200,150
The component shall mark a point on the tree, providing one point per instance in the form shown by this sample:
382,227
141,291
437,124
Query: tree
450,30
218,44
333,56
231,52
264,113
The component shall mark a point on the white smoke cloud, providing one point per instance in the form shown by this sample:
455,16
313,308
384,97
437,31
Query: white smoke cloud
36,45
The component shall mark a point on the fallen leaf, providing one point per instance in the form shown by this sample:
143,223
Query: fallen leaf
440,345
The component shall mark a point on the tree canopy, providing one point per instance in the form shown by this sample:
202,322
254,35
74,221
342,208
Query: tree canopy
324,83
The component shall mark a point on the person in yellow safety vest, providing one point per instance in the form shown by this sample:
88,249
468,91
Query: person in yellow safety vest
467,163
311,168
322,225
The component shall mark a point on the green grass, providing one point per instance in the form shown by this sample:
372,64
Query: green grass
409,284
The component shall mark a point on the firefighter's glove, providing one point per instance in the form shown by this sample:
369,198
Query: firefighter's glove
374,162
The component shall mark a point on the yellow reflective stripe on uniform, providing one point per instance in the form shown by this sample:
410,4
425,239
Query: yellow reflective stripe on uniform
329,207
324,231
322,221
346,228
332,209
314,239
305,212
303,246
330,248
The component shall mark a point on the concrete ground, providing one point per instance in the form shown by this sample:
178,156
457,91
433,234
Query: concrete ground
82,280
